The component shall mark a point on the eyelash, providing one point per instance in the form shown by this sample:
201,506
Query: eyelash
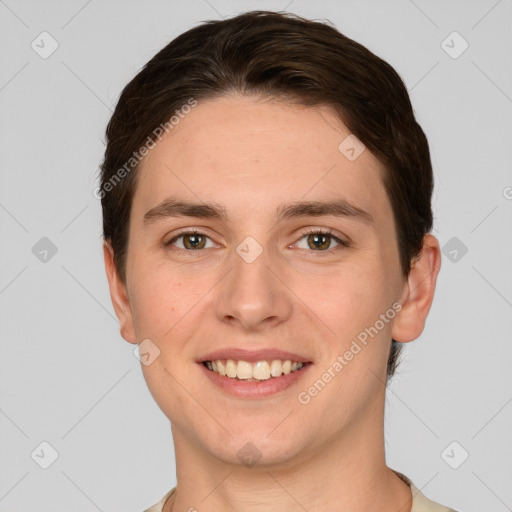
313,231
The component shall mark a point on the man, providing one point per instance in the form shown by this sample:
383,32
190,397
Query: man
266,216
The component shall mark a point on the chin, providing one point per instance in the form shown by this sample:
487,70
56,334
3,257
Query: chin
255,448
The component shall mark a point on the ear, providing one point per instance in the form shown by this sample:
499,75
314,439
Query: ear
418,292
118,295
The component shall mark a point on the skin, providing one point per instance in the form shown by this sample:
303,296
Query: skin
239,151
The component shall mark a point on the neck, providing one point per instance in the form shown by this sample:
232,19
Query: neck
343,473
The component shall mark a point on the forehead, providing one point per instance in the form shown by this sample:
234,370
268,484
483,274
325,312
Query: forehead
233,150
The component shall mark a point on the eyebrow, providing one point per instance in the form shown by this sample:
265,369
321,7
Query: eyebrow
173,207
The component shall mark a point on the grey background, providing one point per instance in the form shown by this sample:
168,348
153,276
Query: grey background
68,378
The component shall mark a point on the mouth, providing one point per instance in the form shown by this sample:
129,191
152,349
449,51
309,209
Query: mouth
254,374
258,371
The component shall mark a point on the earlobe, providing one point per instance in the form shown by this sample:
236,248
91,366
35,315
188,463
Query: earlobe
418,292
118,295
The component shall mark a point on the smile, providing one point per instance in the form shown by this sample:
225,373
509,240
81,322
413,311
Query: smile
252,372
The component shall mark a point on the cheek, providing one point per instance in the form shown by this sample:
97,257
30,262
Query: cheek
156,301
348,297
166,304
348,305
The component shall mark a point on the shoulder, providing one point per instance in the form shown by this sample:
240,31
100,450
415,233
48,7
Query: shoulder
420,503
158,507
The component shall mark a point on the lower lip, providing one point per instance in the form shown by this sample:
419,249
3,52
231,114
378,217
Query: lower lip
261,389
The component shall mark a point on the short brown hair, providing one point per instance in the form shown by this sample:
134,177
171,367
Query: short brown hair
275,54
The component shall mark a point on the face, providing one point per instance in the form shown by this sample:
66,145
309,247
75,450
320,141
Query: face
253,278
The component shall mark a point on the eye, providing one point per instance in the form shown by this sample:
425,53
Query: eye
321,240
318,240
192,240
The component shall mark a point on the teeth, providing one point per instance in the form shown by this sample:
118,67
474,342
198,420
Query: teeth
261,370
230,368
244,370
276,368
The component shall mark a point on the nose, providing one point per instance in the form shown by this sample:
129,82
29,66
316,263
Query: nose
254,294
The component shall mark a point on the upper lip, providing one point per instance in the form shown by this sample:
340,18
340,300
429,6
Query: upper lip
252,356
